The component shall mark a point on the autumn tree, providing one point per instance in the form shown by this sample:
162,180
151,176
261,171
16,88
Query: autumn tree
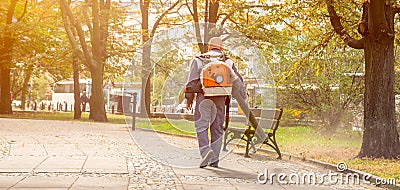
93,54
147,35
7,39
376,38
40,47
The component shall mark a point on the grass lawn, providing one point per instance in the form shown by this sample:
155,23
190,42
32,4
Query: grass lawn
306,142
342,146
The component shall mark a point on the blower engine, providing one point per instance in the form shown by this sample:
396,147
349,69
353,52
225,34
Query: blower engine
217,79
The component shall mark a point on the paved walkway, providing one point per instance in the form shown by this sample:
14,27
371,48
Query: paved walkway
37,154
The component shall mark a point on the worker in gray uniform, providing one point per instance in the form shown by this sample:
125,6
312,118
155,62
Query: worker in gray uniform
209,110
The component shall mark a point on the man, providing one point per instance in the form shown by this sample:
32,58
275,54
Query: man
84,101
210,110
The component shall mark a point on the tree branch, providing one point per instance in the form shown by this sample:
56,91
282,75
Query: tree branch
290,25
104,19
227,17
96,29
71,36
153,30
78,26
86,17
144,9
197,26
396,9
190,10
10,12
338,27
23,14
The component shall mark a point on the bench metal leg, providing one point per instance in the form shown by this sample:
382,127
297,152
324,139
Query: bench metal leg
247,149
225,143
275,146
248,139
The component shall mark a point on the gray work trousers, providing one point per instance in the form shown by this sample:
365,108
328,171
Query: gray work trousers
209,112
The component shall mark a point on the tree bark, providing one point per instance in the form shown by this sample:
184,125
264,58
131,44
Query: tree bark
96,102
25,88
380,137
146,65
210,23
5,101
77,96
200,44
146,77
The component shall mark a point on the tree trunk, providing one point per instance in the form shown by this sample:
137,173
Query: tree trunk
213,17
197,27
77,97
95,59
6,62
27,78
146,77
5,101
96,101
5,65
380,137
146,65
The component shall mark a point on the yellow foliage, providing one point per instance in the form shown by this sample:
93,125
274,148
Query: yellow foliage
296,113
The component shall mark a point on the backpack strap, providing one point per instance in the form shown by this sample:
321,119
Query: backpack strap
206,57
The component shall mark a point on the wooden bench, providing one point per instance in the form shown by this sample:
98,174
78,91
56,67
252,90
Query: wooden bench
268,120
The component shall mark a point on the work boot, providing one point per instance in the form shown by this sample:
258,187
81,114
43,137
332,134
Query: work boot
206,159
214,164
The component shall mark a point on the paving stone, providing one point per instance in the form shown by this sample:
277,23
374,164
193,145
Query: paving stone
8,181
46,182
15,164
105,165
103,182
57,164
25,149
20,139
63,149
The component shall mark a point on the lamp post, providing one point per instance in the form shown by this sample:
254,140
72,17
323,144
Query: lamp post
134,96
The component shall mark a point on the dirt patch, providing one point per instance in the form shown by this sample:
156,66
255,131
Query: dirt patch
321,152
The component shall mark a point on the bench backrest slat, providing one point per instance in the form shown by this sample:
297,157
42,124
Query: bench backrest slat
267,118
266,113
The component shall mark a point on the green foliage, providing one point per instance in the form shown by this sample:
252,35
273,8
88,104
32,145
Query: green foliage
121,43
39,44
164,69
39,87
310,64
